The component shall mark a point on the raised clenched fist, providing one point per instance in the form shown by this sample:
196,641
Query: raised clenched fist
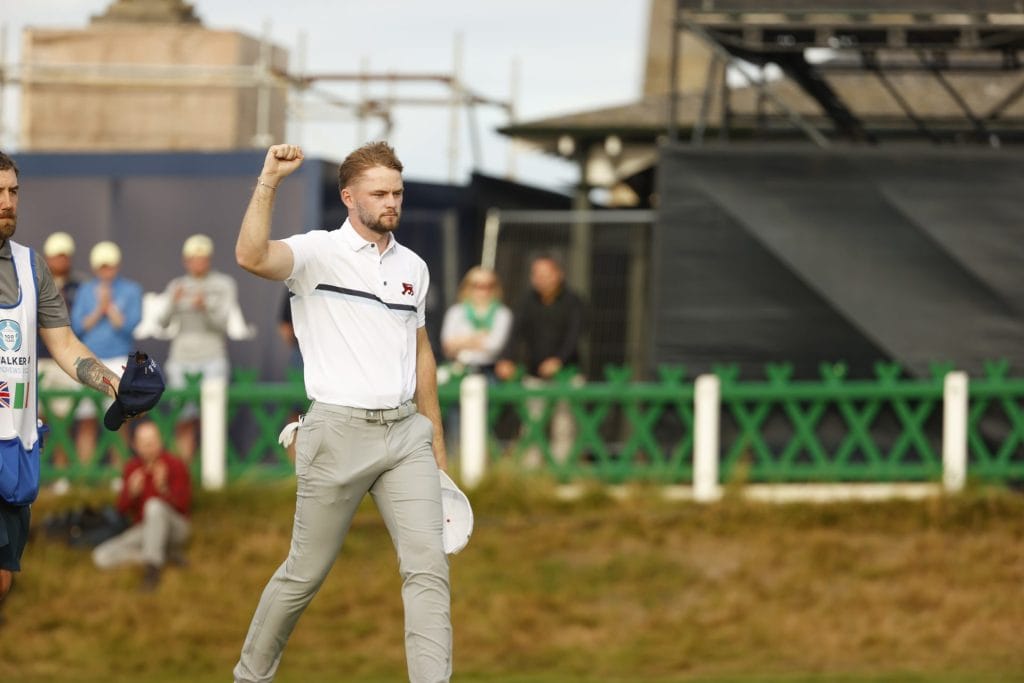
281,161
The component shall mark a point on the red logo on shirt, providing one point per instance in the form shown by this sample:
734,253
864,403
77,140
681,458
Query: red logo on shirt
407,288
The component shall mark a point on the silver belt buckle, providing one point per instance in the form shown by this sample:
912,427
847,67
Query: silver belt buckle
375,416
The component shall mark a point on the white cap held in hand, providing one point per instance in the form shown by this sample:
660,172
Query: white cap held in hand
457,515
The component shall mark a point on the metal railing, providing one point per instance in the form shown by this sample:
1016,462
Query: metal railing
58,408
889,428
834,429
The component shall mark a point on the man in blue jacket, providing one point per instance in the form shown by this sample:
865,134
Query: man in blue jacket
106,311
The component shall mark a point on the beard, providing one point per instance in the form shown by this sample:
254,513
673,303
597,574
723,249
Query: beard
380,224
8,224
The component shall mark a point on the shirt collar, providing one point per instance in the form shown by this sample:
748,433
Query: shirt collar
5,250
355,242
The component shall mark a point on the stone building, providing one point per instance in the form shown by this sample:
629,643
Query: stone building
146,75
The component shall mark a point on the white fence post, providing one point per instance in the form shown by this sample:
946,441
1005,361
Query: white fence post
214,420
492,226
954,431
473,429
706,410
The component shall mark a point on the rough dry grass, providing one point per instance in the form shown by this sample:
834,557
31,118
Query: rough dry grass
592,590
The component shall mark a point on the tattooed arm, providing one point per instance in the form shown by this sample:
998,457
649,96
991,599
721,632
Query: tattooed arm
95,374
75,359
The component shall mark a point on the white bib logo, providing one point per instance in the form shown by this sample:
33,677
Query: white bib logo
10,335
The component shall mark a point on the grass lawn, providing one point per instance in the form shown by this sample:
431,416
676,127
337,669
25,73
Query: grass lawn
561,678
337,677
596,590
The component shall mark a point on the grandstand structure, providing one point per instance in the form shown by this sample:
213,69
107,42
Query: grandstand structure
833,72
835,181
947,71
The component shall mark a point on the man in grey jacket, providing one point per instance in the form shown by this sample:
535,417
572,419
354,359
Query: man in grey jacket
198,307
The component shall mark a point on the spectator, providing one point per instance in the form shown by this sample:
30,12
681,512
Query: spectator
198,306
156,497
546,334
476,329
105,312
58,250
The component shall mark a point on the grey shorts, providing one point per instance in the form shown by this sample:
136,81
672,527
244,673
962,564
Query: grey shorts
14,521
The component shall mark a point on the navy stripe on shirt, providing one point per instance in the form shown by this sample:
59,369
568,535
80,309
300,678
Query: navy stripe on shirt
365,295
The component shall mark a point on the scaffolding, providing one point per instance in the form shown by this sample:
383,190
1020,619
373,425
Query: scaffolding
310,95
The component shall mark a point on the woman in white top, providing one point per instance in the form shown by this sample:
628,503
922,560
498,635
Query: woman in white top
476,328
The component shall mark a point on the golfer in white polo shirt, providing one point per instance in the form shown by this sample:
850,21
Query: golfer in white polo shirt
374,424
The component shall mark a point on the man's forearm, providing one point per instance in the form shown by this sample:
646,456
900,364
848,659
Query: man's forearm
427,403
115,316
77,361
254,251
254,237
95,374
92,319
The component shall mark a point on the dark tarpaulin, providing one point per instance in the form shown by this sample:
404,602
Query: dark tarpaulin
811,256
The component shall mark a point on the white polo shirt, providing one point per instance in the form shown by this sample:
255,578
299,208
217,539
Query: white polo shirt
356,313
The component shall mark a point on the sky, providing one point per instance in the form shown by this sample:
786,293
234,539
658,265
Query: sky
569,55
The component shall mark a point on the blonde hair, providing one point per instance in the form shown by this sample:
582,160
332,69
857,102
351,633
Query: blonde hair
363,159
477,272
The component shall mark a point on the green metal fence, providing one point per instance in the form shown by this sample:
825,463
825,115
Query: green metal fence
773,429
625,430
59,408
883,429
887,428
995,433
257,411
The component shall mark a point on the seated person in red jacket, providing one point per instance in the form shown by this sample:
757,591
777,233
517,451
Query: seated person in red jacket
156,495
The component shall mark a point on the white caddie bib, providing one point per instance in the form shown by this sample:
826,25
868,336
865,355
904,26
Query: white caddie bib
18,338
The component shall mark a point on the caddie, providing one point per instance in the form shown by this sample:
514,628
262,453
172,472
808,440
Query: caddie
29,301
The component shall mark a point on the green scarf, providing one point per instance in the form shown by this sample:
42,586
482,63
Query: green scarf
481,322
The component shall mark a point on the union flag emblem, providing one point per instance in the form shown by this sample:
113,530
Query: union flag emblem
12,396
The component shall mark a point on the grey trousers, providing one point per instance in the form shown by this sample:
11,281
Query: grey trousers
339,458
161,529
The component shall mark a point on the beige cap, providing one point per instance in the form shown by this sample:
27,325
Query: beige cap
197,245
59,244
105,254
